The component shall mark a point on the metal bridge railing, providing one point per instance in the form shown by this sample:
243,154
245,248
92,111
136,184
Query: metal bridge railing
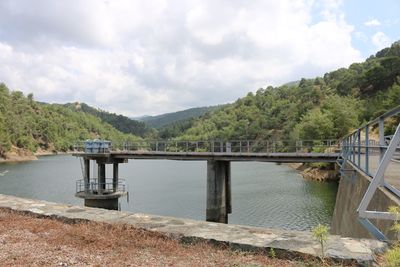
377,155
223,146
97,188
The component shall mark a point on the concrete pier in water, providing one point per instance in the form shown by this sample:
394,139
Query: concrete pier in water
219,203
101,193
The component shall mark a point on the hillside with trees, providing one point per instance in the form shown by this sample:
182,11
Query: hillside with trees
27,124
176,118
326,107
120,122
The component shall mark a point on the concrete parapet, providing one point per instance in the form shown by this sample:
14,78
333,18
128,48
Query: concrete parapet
352,187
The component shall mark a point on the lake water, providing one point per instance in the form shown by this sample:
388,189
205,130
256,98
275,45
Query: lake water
263,194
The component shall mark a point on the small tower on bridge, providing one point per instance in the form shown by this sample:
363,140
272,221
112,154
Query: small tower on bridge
100,192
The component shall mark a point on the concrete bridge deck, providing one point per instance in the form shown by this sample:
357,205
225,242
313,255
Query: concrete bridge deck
222,156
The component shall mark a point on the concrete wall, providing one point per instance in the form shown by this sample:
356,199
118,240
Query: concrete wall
352,187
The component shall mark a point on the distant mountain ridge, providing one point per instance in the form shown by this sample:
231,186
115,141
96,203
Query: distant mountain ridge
163,120
120,122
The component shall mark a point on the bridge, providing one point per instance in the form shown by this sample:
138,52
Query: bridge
363,156
104,192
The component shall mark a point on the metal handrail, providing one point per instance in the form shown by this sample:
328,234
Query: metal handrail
382,117
355,151
96,187
223,146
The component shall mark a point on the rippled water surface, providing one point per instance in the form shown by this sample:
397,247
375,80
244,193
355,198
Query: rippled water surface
263,194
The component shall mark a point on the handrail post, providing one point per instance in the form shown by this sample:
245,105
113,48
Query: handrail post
353,146
248,146
381,138
359,147
367,149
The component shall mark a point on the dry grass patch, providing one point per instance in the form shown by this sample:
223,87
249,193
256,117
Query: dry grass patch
27,240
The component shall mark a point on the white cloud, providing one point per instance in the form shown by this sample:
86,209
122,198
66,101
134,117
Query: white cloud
372,23
147,57
380,40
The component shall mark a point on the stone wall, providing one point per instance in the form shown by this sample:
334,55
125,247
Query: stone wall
352,187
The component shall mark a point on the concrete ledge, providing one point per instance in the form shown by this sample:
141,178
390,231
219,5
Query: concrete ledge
292,244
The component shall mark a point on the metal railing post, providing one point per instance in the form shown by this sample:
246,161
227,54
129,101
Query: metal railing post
367,149
359,147
381,124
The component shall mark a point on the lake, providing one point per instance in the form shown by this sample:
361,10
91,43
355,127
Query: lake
263,194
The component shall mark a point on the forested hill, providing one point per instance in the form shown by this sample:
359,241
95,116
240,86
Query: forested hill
27,124
320,108
120,122
164,120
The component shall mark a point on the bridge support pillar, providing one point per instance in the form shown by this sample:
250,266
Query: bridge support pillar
115,176
218,191
101,176
86,164
101,193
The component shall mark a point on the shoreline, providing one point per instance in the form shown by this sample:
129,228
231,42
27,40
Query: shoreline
315,173
20,155
17,155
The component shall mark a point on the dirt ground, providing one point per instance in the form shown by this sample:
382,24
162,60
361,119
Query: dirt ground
31,241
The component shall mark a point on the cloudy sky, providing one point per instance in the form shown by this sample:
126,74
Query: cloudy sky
139,57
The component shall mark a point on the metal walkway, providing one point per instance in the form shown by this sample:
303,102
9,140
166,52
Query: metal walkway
244,150
224,156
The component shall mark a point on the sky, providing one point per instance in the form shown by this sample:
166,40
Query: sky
137,57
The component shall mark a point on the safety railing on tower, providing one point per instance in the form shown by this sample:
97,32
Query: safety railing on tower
94,187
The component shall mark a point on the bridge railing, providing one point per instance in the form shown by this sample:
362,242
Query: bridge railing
366,146
374,150
222,146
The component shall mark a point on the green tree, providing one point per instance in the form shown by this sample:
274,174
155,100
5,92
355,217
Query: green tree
315,125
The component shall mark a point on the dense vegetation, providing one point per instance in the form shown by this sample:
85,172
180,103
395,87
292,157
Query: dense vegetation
321,108
120,122
183,116
28,124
